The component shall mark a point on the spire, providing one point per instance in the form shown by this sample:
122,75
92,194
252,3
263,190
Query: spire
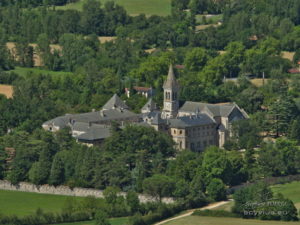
171,80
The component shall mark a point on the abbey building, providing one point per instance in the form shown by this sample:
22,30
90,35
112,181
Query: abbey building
194,125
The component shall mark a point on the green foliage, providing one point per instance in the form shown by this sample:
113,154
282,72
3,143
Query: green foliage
257,201
215,213
196,59
216,190
158,186
216,165
101,219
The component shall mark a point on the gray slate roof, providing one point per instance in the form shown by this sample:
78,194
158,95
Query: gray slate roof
115,102
222,110
95,133
94,117
191,121
171,81
149,106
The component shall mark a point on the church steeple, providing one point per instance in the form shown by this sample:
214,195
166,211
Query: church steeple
171,95
171,80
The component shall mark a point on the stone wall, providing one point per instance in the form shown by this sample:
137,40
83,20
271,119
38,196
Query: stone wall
65,190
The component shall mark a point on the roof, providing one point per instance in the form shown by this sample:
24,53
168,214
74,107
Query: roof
294,70
149,106
95,133
191,121
157,119
115,102
145,89
179,66
222,110
85,127
171,80
60,121
91,117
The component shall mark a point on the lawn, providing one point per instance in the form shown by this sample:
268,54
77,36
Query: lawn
24,72
201,220
289,190
114,221
133,7
24,203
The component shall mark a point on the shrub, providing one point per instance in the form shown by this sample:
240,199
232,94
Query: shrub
215,213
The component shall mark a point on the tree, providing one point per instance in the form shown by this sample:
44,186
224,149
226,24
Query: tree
196,59
5,58
92,17
216,164
57,171
214,71
294,130
39,172
158,186
216,190
132,200
234,56
101,218
3,157
43,50
282,111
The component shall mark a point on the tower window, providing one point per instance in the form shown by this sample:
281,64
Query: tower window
167,95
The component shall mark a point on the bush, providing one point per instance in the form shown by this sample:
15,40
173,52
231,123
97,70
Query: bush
163,211
215,213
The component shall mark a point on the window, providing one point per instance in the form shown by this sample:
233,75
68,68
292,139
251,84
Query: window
180,131
174,132
192,146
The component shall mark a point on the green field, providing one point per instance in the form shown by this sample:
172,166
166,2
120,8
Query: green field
133,7
24,72
24,203
114,221
289,190
201,220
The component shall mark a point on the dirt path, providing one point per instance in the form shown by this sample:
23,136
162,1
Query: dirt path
190,212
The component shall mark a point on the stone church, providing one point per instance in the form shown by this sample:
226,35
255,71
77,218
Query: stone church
194,125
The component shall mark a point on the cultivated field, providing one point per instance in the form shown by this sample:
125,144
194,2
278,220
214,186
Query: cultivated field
201,220
23,203
133,7
6,90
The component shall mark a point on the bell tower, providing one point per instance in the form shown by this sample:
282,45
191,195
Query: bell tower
171,95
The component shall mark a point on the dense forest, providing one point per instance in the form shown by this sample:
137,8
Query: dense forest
217,66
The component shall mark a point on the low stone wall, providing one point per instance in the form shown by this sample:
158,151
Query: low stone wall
65,190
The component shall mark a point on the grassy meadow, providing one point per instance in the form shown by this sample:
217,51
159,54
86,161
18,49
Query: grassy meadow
202,220
24,203
24,72
133,7
289,190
